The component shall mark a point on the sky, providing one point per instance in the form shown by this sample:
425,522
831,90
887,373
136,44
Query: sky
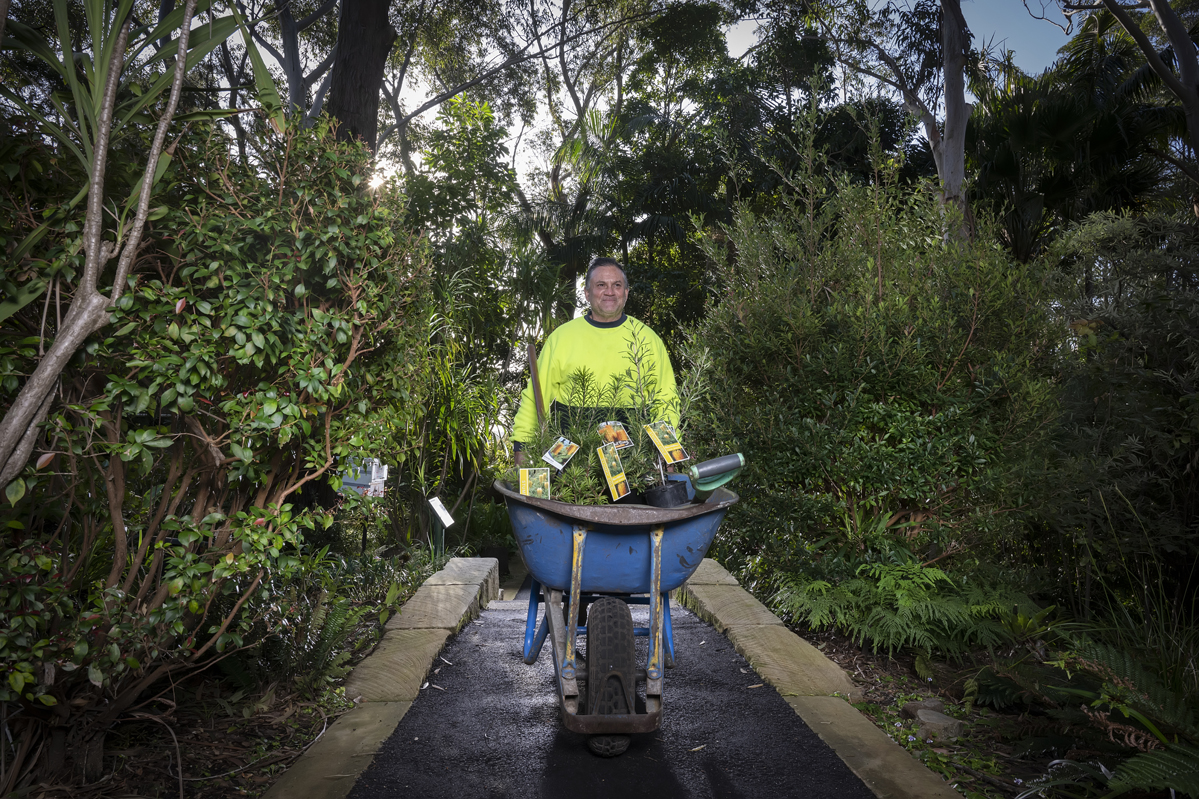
1009,24
1005,22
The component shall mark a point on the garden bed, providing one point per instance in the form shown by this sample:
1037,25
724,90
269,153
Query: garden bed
986,760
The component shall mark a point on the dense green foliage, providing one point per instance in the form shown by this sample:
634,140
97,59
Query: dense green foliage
973,438
884,382
265,336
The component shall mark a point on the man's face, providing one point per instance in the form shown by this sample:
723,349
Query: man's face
607,293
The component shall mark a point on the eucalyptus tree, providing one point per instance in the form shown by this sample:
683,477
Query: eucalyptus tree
301,36
919,49
355,56
594,98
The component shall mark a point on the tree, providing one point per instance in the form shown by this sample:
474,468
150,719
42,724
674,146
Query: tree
1048,151
275,324
94,117
290,55
1176,66
920,50
364,40
586,92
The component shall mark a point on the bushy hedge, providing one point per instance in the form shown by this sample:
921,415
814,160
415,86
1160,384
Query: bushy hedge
273,326
889,384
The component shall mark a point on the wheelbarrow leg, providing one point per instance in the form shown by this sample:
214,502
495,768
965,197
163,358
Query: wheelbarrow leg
576,588
568,687
534,635
653,669
669,631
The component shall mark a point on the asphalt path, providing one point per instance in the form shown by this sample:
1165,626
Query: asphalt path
487,726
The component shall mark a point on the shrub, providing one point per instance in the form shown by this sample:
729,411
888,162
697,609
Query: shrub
1125,514
271,328
880,378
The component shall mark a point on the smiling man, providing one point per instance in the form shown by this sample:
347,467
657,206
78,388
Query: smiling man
600,341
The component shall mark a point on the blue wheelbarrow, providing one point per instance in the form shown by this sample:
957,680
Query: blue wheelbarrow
600,559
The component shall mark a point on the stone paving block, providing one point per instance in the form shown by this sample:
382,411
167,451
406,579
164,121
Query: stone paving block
442,607
483,572
727,606
711,573
887,769
330,768
789,663
395,670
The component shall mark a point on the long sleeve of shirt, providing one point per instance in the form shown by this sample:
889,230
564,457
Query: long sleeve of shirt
605,350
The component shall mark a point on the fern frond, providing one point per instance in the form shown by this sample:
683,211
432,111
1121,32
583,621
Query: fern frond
1144,690
1173,768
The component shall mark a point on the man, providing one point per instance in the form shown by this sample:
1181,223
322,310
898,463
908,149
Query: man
600,342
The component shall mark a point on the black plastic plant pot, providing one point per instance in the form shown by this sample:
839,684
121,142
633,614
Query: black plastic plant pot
671,495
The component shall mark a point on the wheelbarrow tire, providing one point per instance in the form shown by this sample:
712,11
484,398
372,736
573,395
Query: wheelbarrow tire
611,669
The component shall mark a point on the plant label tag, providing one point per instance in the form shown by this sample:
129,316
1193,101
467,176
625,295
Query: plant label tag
535,483
618,484
614,433
667,442
442,513
562,451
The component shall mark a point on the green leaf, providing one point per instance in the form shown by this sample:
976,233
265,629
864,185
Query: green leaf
206,114
25,295
202,40
14,492
47,700
167,27
164,161
94,676
16,679
268,94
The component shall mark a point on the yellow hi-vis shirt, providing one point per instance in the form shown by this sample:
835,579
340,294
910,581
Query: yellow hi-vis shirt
603,348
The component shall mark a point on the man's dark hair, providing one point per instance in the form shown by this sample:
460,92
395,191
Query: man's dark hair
604,260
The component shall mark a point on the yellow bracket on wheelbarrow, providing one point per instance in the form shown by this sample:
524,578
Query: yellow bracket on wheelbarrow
576,582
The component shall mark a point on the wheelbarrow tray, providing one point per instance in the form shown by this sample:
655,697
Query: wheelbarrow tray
618,545
577,551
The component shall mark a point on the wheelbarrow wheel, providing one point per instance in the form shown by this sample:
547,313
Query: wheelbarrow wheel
611,669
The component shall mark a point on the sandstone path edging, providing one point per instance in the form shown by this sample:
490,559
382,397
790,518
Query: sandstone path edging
390,679
815,687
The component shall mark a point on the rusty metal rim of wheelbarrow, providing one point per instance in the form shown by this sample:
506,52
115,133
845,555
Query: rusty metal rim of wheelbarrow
623,514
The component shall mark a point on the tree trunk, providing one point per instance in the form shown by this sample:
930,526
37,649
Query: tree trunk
364,40
293,70
955,43
3,17
87,312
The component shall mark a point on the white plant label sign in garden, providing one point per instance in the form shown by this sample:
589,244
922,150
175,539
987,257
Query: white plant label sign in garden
442,513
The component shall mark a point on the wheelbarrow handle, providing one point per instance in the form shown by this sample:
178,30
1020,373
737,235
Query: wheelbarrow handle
710,475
